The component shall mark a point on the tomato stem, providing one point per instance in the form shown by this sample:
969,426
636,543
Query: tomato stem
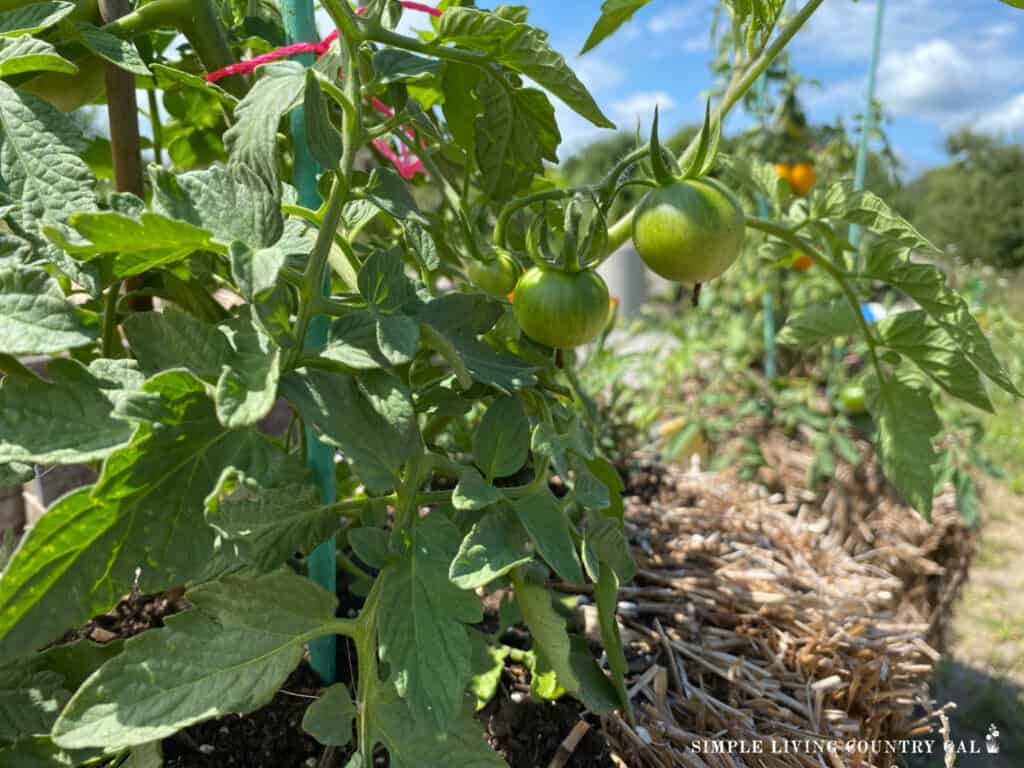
839,275
741,82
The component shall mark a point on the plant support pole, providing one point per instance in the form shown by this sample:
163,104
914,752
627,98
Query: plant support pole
869,109
300,26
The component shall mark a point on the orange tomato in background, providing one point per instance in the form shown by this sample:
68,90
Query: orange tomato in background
801,178
802,262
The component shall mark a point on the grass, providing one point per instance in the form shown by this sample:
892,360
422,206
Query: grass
983,672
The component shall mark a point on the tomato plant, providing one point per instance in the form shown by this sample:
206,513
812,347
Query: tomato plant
354,313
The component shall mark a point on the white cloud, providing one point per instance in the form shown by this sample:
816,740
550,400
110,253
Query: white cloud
933,78
1007,119
843,30
598,74
672,19
641,105
940,79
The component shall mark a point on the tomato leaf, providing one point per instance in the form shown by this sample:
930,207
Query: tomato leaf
614,13
231,203
27,54
933,350
416,743
370,418
252,140
329,718
140,244
176,339
232,652
524,49
606,596
473,492
41,167
391,65
545,521
120,53
907,425
144,514
819,323
422,614
493,547
33,18
488,664
30,701
515,132
501,442
322,137
866,209
575,669
247,387
70,418
35,318
925,284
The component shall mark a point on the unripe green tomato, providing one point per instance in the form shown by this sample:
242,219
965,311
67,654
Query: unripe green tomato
68,92
851,399
496,277
690,232
561,309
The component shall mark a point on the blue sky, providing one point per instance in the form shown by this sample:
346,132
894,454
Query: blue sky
945,64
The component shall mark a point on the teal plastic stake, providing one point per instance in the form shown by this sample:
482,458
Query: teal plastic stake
767,299
300,26
862,148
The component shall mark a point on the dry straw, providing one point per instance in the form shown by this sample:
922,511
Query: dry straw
788,627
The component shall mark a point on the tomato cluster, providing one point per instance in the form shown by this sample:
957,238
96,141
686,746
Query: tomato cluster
689,231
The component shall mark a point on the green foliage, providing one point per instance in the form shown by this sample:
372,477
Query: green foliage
973,208
417,380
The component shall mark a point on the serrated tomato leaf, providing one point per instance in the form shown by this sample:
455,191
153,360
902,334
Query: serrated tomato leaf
230,653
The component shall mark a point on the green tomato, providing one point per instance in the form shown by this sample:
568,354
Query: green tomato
561,309
851,399
690,232
497,277
69,92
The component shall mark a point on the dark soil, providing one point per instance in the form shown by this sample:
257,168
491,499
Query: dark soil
528,732
271,737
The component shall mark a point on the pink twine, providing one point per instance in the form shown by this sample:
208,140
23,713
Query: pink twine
250,65
404,160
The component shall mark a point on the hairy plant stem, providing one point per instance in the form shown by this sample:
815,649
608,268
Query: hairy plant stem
109,345
198,20
341,188
602,188
741,82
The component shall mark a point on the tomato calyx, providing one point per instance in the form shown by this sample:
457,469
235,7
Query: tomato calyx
581,242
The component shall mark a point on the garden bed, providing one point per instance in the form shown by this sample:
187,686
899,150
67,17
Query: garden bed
748,620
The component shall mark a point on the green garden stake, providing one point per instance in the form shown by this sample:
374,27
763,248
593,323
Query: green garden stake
767,299
300,26
862,147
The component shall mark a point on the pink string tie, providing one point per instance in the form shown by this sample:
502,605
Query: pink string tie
407,164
